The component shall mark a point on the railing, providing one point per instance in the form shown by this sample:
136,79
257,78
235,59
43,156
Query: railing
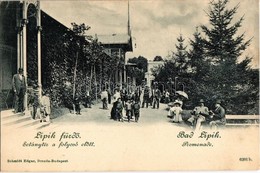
242,120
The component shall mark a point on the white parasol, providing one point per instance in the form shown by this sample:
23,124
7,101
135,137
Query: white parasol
182,93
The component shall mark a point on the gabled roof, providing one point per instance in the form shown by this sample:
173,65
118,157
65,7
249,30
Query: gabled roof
114,39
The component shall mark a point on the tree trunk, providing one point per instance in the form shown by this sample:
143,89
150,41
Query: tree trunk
95,76
100,77
74,82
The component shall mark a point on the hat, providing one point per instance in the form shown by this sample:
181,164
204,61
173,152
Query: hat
218,102
201,101
20,69
177,102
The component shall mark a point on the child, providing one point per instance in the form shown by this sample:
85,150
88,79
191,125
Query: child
128,107
45,108
35,104
136,110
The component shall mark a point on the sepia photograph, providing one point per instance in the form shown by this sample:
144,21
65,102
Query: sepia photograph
129,85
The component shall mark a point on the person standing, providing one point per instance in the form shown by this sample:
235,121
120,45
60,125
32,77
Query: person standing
146,97
35,103
136,110
167,97
109,95
156,98
88,99
128,108
104,98
219,115
76,103
137,95
119,110
141,95
123,95
19,88
113,112
116,95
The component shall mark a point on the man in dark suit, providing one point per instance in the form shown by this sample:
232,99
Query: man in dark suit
19,88
219,117
156,97
146,96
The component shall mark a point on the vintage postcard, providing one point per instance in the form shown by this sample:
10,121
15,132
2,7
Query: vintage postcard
167,85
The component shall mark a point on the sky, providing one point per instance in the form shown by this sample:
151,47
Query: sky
155,24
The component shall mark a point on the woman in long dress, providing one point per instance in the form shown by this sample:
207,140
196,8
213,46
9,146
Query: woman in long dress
116,96
175,112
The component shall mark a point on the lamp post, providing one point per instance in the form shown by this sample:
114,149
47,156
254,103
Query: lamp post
182,85
175,82
162,86
128,79
170,84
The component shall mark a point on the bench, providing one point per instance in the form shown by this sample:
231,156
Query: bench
242,120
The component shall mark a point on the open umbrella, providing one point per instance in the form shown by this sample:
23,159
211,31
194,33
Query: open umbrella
182,93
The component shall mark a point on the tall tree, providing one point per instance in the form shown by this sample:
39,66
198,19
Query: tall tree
180,56
199,68
197,56
223,46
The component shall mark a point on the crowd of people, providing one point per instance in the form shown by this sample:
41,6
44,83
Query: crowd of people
125,103
128,103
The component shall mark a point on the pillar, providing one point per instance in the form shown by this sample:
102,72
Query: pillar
125,77
116,76
120,78
18,48
18,29
24,47
39,28
24,40
120,71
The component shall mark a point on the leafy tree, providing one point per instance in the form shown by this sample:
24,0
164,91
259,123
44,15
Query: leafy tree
158,58
140,61
177,67
139,71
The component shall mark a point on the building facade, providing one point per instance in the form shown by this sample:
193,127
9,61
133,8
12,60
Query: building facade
22,25
151,65
116,46
25,32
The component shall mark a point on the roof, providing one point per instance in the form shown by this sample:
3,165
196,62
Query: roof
156,62
131,64
114,39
